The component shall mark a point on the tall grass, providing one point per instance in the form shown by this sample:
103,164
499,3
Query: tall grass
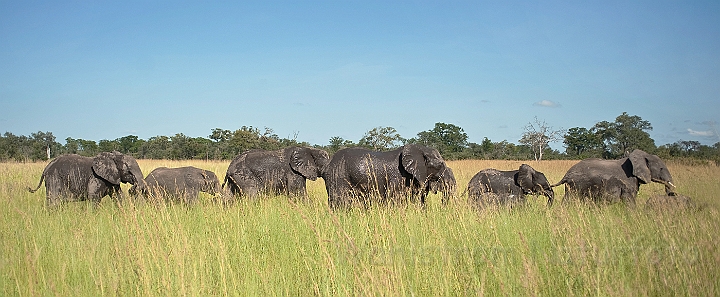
278,246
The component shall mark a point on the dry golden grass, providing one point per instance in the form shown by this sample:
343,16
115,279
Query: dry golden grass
277,246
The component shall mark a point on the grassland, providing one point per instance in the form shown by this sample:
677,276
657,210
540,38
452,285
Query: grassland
276,246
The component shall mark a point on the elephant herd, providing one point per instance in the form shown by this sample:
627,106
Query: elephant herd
352,176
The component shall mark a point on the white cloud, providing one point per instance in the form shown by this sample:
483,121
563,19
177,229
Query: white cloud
701,133
546,103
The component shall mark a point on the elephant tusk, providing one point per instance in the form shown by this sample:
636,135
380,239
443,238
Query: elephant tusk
671,184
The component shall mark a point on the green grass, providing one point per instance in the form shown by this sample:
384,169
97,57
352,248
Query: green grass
276,246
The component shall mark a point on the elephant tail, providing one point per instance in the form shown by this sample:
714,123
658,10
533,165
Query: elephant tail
562,181
42,177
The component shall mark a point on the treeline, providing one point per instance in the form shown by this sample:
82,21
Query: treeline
611,140
220,144
604,140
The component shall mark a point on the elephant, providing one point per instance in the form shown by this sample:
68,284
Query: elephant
181,183
445,184
492,185
612,179
279,172
362,175
77,178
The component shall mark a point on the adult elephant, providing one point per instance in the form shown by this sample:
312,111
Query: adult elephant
362,175
495,186
613,179
183,183
276,172
76,178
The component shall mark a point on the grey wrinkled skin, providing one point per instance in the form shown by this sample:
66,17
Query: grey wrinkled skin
280,172
357,175
491,186
184,183
78,178
445,184
600,179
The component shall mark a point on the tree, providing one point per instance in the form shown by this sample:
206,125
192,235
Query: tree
105,145
244,139
43,144
382,139
337,143
538,135
249,137
11,146
219,148
183,147
478,151
503,150
450,140
129,145
582,143
81,147
689,147
624,135
157,147
270,141
220,135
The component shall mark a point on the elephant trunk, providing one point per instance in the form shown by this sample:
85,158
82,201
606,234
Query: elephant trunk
551,196
448,194
670,189
669,186
140,186
215,188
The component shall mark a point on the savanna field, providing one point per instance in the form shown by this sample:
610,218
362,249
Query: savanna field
277,246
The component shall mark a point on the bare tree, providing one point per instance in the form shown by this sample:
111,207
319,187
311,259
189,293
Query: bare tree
538,134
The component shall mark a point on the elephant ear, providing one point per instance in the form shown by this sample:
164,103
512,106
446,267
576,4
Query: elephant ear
104,166
303,162
640,167
413,160
525,177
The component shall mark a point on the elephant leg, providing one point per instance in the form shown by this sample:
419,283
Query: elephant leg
296,187
96,189
339,196
474,192
251,191
628,197
335,197
234,189
568,195
117,194
55,191
191,196
247,186
189,199
576,193
53,199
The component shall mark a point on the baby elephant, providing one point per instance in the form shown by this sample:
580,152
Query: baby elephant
491,185
180,183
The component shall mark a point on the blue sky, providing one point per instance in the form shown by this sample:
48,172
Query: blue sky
103,70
